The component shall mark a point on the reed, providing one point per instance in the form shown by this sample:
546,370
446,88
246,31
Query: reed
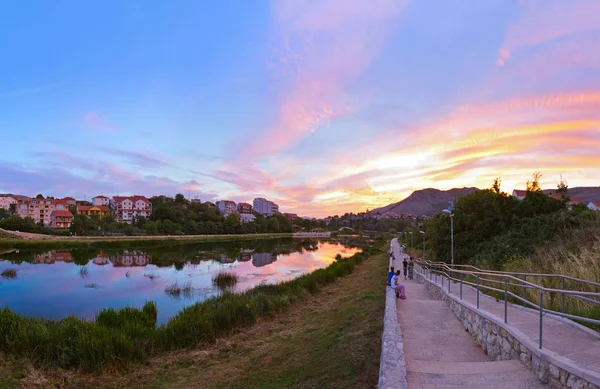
225,280
9,273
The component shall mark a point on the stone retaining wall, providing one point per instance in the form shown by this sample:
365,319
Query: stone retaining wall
392,367
502,342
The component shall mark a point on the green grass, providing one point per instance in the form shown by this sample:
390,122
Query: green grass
225,280
130,335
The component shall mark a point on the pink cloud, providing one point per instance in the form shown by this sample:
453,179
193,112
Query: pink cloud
543,21
321,47
95,121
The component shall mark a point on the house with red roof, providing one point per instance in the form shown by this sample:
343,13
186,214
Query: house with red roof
61,219
594,205
128,208
519,194
101,200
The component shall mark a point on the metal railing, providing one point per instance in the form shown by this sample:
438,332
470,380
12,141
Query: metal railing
508,285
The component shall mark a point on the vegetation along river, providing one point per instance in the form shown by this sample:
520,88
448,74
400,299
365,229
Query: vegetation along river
61,282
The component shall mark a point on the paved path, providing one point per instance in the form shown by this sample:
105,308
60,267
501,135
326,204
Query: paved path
580,345
439,353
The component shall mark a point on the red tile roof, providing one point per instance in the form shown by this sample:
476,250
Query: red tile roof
62,213
133,198
100,197
575,200
596,203
520,192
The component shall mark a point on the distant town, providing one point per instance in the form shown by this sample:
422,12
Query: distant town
57,212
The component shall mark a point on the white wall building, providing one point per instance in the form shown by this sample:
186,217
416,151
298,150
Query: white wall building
265,207
101,200
128,208
247,217
594,205
6,201
226,207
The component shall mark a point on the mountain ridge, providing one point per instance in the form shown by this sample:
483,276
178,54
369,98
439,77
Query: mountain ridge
431,201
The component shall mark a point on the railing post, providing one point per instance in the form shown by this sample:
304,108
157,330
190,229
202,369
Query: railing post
505,300
442,277
449,282
461,281
541,315
477,292
563,294
525,287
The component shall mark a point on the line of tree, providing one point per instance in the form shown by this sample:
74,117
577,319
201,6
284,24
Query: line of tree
492,227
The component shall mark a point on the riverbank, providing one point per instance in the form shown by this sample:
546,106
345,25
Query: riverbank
330,339
127,337
25,240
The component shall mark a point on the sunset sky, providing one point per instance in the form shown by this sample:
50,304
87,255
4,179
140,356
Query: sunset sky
324,106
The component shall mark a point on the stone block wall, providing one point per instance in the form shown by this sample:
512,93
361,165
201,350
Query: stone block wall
501,345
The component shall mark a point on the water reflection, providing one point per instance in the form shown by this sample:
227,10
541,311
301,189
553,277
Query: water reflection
84,281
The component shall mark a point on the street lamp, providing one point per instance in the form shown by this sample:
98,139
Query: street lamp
450,211
423,233
412,241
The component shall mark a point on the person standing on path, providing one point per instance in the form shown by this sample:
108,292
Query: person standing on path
411,269
405,267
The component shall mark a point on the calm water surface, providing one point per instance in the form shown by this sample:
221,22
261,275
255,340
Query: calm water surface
58,283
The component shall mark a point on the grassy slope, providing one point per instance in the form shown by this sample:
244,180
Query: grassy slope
332,340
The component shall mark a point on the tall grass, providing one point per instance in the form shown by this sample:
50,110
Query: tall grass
176,290
225,280
576,254
120,337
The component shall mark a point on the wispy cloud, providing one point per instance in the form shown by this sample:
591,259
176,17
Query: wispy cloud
321,47
97,122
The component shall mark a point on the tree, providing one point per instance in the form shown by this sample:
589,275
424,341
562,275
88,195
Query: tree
533,185
39,196
562,189
12,209
496,185
180,199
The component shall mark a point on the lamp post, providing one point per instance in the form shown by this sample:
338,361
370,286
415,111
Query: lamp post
412,241
423,233
450,211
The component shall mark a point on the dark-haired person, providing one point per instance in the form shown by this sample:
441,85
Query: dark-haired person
390,275
398,287
405,268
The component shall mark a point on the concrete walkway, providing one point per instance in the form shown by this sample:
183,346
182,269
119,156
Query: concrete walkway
439,353
578,344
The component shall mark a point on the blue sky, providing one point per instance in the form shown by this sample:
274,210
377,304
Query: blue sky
324,106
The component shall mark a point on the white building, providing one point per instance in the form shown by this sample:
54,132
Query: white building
128,208
226,207
519,194
6,201
265,207
594,205
247,217
101,200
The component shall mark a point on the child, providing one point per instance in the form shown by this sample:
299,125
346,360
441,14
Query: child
400,290
390,275
405,266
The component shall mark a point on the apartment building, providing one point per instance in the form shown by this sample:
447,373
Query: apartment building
265,207
226,207
101,201
128,208
61,219
244,208
99,211
7,201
